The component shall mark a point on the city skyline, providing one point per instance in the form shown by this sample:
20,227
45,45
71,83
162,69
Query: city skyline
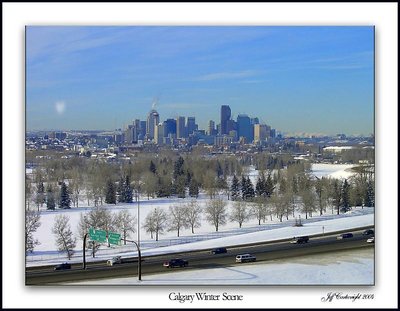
296,79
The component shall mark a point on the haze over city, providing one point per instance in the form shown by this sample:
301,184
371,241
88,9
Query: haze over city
296,79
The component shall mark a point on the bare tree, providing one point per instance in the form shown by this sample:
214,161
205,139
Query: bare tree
279,204
209,183
32,223
216,212
150,183
193,214
240,212
308,201
64,238
177,219
259,208
97,218
125,223
76,186
156,222
149,224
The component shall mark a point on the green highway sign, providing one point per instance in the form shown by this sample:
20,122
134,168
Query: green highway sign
97,235
114,238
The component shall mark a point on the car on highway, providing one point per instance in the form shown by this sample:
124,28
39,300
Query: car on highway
245,258
177,262
113,261
371,240
345,236
219,250
63,266
368,232
300,240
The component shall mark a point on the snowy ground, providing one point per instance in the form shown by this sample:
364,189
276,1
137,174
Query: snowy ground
205,236
339,171
355,267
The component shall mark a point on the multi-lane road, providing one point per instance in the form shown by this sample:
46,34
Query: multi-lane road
197,259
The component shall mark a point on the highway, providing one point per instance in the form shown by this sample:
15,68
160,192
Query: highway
197,259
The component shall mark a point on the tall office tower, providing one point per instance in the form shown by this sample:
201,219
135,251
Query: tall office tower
136,124
152,120
254,121
180,127
272,133
159,133
244,128
191,125
260,133
130,134
143,126
170,127
225,117
211,127
231,125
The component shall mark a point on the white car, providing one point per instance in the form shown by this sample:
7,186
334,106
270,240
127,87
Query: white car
114,260
371,240
245,258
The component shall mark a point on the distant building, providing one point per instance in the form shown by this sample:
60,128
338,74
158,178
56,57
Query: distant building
260,133
211,128
143,127
191,125
254,121
152,120
180,127
225,117
159,133
245,128
223,140
170,127
130,135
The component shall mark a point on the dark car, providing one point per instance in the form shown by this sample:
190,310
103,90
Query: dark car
345,236
300,240
63,266
368,232
219,250
176,263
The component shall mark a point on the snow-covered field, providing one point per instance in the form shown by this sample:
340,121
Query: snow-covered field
354,267
339,171
205,236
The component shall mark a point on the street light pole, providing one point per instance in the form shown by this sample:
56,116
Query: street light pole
138,217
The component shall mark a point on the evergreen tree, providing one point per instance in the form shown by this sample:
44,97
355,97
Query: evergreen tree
345,194
269,186
243,187
250,189
259,187
193,188
152,167
50,201
178,167
370,195
235,191
40,197
110,192
219,170
180,187
128,192
65,201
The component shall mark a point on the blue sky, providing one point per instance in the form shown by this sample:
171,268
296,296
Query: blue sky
296,79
